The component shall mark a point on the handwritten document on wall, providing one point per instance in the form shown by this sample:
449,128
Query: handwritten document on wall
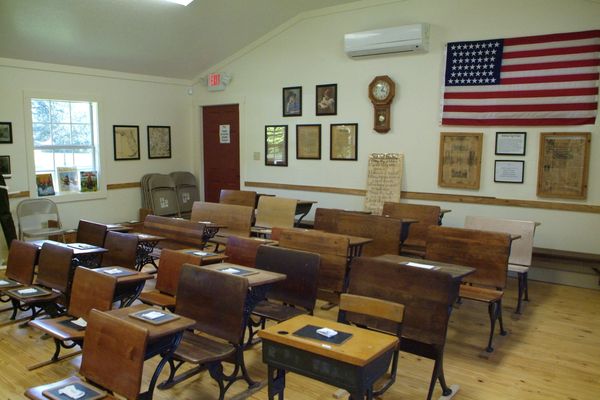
384,180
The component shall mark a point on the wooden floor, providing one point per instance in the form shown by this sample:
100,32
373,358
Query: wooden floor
551,352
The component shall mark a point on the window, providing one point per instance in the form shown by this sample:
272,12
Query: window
65,146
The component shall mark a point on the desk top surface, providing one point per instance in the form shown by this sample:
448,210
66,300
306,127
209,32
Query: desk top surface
154,331
130,277
257,278
363,347
78,248
456,271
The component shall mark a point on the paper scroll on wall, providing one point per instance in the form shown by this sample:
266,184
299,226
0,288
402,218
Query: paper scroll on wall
384,180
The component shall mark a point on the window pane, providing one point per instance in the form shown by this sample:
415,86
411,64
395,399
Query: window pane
40,110
84,159
59,112
44,160
80,113
63,158
81,134
41,135
61,134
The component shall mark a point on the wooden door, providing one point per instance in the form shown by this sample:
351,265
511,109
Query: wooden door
221,150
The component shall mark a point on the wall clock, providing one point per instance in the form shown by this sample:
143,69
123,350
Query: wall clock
381,92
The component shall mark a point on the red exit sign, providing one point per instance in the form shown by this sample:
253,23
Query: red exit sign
214,80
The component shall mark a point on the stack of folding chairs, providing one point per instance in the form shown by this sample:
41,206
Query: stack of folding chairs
170,195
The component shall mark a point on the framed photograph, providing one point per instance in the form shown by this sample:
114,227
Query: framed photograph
5,165
5,132
159,142
127,142
326,99
292,101
459,164
343,142
511,143
563,165
276,145
308,142
508,171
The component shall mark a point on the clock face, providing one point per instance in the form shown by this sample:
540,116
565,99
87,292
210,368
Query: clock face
381,90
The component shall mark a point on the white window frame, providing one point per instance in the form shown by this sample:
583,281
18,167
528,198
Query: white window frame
31,172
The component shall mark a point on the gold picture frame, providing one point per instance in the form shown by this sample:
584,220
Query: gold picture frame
460,160
308,142
563,165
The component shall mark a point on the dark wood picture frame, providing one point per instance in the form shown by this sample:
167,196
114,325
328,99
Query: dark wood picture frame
509,171
292,101
343,140
308,142
126,141
326,99
276,145
510,143
6,132
5,165
159,141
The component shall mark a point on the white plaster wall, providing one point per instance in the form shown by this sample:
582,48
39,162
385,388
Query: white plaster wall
308,51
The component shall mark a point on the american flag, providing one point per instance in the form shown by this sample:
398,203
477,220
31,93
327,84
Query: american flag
526,81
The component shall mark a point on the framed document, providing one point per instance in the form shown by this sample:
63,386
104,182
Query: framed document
126,139
563,165
509,171
511,143
276,139
460,160
308,142
344,142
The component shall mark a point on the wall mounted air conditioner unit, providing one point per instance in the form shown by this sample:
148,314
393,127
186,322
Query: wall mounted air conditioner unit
400,39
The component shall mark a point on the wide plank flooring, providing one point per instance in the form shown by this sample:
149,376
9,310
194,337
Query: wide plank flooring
551,352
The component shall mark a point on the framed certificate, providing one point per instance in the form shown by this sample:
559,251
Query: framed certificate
509,171
511,143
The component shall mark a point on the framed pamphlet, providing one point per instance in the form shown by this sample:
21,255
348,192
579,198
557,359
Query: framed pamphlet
460,160
343,142
308,142
509,171
510,143
563,165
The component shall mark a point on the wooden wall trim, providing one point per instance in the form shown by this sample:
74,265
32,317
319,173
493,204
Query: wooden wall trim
452,198
24,193
127,185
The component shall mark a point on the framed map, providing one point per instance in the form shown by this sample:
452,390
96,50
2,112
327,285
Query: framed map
127,142
563,165
159,142
460,160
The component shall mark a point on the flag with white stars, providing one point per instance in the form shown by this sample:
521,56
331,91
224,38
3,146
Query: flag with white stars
535,80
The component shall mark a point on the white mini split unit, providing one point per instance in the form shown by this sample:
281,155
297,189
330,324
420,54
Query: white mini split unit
400,39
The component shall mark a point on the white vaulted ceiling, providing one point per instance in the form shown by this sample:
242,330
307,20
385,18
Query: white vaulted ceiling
150,37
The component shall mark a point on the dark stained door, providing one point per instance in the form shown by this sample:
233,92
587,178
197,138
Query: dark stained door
221,159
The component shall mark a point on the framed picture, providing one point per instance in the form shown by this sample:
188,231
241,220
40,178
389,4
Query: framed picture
5,132
127,142
508,171
563,165
5,165
308,142
459,164
276,139
159,142
343,142
511,143
292,101
326,99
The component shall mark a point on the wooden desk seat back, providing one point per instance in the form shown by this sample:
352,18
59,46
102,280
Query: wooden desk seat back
301,268
91,233
384,231
22,258
485,251
91,289
238,197
169,271
54,267
242,250
237,219
275,211
333,250
425,215
178,233
113,354
215,300
122,250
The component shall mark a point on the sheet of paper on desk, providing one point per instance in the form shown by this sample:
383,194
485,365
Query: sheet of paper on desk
72,392
79,322
27,291
230,270
112,271
3,282
419,265
153,315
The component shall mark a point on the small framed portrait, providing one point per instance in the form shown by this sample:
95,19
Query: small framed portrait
5,165
511,143
6,132
308,142
344,142
276,152
326,99
159,142
292,101
509,171
126,139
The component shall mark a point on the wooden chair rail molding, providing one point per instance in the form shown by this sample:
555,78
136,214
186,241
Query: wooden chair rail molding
453,198
110,186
